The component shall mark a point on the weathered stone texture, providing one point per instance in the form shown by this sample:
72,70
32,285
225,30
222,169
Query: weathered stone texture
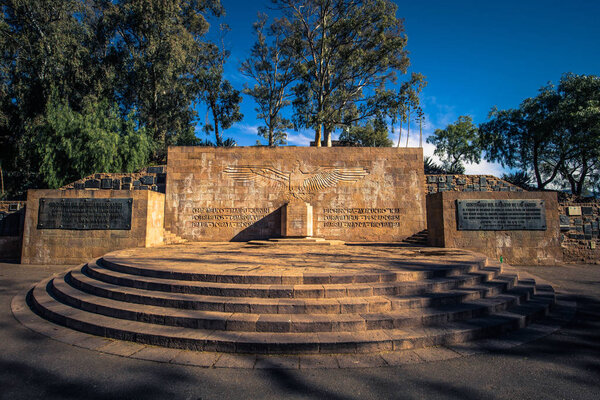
514,246
62,246
213,195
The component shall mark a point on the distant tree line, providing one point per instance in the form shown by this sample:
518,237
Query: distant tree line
108,85
550,140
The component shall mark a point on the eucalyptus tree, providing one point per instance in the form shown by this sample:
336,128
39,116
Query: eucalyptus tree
271,66
346,51
159,47
222,100
456,144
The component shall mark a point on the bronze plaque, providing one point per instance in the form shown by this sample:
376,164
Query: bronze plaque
501,215
85,214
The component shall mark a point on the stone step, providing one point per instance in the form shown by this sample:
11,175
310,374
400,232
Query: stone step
403,274
300,241
290,291
199,319
290,343
288,306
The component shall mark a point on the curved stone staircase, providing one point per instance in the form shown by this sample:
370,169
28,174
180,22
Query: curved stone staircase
390,305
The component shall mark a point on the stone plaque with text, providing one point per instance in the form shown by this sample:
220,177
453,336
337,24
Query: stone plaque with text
501,215
85,214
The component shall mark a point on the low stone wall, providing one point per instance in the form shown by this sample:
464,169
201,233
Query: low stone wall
150,178
59,245
467,183
580,231
12,215
514,246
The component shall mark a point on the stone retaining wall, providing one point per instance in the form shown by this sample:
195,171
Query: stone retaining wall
467,183
580,231
150,178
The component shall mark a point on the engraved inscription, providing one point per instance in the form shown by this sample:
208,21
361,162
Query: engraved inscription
227,217
85,214
501,215
362,217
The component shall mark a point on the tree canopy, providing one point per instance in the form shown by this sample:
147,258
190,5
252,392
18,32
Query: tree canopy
345,51
554,135
457,144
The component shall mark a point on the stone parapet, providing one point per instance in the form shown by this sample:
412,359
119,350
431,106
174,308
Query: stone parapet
540,246
72,246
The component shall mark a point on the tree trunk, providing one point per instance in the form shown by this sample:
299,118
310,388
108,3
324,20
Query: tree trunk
218,140
408,128
399,133
328,137
318,135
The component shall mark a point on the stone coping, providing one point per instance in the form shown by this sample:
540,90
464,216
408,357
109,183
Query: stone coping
562,313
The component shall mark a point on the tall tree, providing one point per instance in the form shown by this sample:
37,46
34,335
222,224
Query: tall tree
578,115
373,134
528,138
271,66
347,50
457,144
160,47
222,100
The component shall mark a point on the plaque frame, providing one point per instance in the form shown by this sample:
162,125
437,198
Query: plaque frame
121,220
463,223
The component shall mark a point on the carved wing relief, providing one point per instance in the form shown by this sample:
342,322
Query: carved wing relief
330,177
268,175
296,183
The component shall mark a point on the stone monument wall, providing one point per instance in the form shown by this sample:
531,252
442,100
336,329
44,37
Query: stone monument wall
527,233
237,194
74,226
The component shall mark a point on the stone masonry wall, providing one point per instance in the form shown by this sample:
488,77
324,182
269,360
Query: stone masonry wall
236,194
514,246
72,246
150,178
468,183
580,232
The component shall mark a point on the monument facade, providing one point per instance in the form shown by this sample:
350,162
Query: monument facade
239,194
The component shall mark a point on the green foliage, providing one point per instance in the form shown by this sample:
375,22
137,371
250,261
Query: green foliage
71,145
373,134
272,68
346,51
520,178
457,144
219,95
160,57
553,136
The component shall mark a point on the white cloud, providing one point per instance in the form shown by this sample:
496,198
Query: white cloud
483,168
247,129
299,139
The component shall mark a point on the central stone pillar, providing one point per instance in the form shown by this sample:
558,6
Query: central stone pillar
297,219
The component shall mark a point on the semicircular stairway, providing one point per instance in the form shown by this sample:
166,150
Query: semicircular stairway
238,299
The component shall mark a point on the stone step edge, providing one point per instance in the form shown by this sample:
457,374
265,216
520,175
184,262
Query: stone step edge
274,343
287,291
559,316
283,322
284,306
299,279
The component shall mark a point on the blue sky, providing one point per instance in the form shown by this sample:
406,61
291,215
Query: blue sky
474,53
